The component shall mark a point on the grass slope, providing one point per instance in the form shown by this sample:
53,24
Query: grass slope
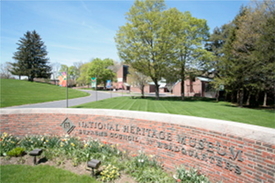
200,108
41,174
16,92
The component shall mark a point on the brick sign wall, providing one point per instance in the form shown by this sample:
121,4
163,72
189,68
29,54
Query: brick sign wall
224,151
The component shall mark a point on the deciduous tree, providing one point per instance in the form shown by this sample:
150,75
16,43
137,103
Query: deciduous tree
5,70
84,78
155,41
145,41
100,69
189,35
137,79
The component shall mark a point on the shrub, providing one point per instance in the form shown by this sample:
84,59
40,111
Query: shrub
18,151
109,173
32,142
7,143
146,169
152,175
190,176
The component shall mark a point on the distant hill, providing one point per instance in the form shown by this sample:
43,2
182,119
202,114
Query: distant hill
18,92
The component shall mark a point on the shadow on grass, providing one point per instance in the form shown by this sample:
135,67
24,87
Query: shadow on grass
173,98
270,109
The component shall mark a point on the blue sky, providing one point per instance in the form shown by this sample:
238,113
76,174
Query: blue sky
79,30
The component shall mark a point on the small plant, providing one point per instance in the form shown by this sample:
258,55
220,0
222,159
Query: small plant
190,176
7,143
146,169
152,175
32,142
51,142
109,173
142,160
18,151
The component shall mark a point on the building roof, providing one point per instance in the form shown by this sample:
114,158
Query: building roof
204,79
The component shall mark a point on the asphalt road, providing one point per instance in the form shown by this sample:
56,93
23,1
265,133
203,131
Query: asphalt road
94,96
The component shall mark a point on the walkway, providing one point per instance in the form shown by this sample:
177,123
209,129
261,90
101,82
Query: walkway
94,96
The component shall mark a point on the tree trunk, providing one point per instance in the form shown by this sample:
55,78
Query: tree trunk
232,97
217,95
248,99
182,89
157,92
157,89
240,97
182,59
142,91
257,99
265,99
30,78
182,83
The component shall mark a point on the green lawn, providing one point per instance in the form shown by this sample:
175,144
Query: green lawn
202,108
16,92
40,174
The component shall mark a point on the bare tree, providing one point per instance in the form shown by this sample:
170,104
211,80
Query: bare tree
138,79
5,71
55,70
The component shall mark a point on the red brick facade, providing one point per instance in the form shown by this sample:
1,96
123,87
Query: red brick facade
193,88
224,151
196,87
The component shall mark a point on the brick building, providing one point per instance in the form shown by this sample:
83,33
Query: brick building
199,86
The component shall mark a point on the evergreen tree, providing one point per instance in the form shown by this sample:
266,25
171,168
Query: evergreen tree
263,23
215,45
31,57
245,58
235,66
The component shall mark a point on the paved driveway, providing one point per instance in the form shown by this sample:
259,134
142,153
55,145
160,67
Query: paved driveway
94,96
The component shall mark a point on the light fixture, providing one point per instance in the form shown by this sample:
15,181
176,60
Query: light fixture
93,164
34,153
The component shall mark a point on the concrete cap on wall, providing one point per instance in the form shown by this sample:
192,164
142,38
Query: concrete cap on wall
263,134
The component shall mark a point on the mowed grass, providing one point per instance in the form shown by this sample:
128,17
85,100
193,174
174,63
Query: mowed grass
16,92
198,107
40,174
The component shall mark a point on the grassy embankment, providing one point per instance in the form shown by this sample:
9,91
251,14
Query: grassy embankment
16,92
192,107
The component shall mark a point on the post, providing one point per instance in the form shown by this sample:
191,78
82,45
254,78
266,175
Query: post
96,88
96,93
67,102
93,172
34,160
